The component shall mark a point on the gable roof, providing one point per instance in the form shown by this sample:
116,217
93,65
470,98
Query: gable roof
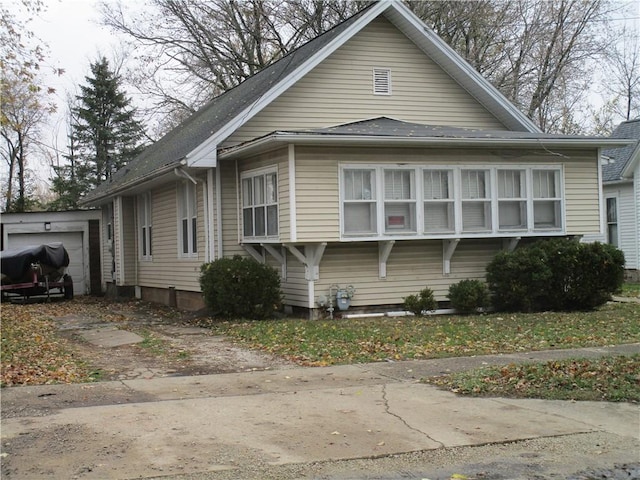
622,159
194,142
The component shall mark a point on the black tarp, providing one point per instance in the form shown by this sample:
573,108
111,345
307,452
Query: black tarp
16,262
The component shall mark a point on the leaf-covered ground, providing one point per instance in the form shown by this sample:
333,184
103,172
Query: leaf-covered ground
343,341
32,353
612,379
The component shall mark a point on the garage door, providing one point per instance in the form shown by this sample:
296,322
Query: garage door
72,242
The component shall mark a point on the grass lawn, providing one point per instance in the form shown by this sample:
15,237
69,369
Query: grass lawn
328,342
613,379
631,290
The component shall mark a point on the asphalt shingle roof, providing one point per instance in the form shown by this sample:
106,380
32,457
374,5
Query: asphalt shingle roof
612,171
177,143
389,127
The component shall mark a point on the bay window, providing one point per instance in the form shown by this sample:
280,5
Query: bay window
260,204
385,201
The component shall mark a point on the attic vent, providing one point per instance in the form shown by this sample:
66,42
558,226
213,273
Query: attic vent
381,81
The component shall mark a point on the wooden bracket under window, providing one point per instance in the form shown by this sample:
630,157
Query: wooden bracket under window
384,250
253,251
448,247
280,256
310,259
510,244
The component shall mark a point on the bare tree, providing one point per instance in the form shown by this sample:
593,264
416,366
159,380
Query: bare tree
623,78
24,105
189,52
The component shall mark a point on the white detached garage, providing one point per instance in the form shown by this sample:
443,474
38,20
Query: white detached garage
78,231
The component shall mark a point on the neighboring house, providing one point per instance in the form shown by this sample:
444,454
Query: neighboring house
78,231
621,187
372,156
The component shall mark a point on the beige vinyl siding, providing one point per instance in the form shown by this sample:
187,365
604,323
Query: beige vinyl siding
230,210
107,248
412,266
129,248
340,90
582,196
166,269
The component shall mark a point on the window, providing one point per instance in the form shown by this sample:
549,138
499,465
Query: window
359,206
512,200
399,201
381,81
260,205
612,221
188,218
385,201
546,199
438,201
476,201
144,226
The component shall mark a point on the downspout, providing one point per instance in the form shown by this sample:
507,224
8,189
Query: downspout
219,210
209,217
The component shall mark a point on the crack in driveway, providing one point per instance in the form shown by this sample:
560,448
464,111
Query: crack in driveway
387,410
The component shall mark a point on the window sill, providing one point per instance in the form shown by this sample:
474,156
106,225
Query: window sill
449,236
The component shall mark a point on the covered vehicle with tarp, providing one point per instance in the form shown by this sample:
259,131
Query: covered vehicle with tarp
36,270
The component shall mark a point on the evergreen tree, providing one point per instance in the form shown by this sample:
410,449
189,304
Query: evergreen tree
105,128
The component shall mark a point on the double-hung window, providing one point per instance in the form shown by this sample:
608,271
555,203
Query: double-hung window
547,200
360,202
512,200
187,220
260,204
379,201
399,201
612,221
438,201
476,200
144,226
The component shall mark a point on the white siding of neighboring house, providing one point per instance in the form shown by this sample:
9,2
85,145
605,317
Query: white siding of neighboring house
636,190
340,90
627,221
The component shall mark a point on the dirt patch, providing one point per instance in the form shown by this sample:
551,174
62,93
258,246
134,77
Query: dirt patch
173,344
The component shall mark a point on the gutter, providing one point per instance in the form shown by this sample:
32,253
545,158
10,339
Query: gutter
95,201
356,140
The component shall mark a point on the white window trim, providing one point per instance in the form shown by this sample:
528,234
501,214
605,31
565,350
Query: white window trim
145,222
607,223
191,191
252,174
494,231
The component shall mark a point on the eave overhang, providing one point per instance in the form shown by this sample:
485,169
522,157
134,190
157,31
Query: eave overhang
280,139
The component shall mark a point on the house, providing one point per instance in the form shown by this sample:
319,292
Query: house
78,231
621,186
372,157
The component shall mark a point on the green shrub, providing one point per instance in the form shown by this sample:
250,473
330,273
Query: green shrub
558,275
422,302
240,288
467,296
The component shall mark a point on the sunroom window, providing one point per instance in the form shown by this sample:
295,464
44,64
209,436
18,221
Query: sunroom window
547,199
386,201
512,200
438,201
260,204
359,206
399,201
476,200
